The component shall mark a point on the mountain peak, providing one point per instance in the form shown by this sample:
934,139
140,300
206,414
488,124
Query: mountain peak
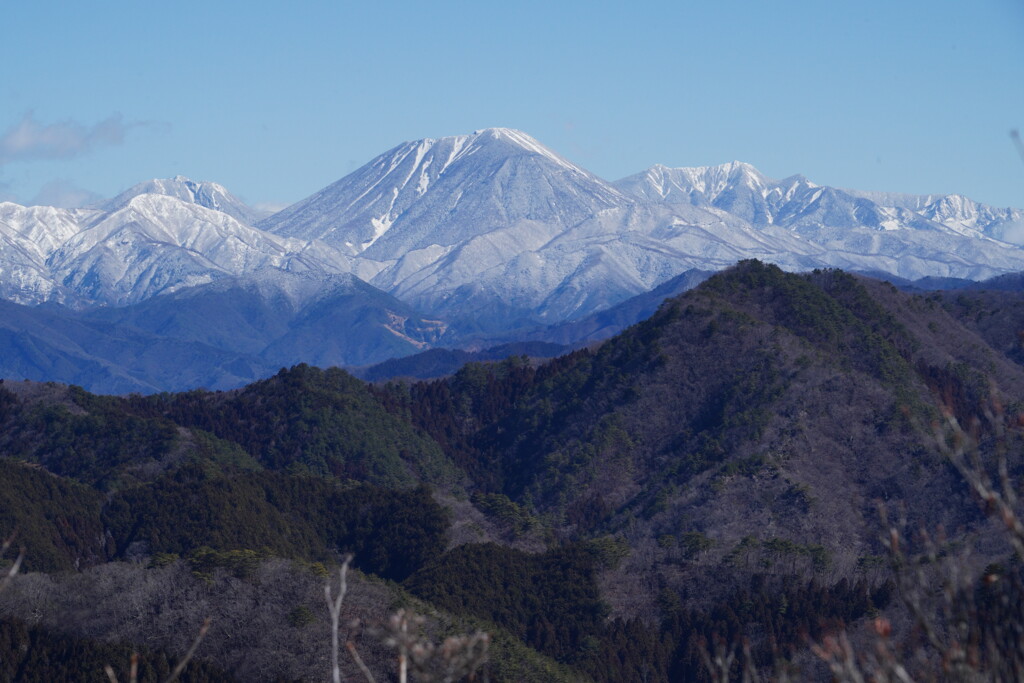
505,141
202,193
193,186
693,184
437,193
733,169
499,131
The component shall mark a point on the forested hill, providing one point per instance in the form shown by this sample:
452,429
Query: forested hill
716,468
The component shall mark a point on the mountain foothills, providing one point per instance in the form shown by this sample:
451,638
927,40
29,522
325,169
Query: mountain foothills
714,471
467,242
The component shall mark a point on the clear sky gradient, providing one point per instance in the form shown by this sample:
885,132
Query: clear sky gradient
276,100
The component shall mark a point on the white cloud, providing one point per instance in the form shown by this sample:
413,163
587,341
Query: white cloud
1012,232
30,140
270,207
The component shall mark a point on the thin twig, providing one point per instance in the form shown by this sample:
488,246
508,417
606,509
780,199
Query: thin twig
17,562
191,651
350,646
14,568
334,606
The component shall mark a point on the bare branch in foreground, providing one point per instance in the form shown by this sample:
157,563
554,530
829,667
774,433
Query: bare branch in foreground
334,606
133,669
17,562
191,651
359,662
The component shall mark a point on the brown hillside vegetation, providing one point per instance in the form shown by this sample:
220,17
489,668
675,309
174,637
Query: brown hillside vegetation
717,469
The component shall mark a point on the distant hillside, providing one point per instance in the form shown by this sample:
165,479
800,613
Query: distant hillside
441,362
218,336
714,469
806,384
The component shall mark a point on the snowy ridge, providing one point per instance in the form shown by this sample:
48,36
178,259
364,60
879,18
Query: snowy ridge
817,211
526,142
28,237
144,244
492,229
205,194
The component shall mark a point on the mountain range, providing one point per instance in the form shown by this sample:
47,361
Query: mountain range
714,470
462,242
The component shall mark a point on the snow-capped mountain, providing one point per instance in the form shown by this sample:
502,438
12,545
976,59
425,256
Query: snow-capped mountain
737,188
497,225
28,236
957,212
905,235
139,245
488,234
442,193
206,194
805,207
495,228
157,243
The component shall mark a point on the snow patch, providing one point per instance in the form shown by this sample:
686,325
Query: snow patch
424,182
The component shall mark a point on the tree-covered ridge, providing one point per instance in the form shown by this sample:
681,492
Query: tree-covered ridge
303,420
306,420
390,533
99,444
687,390
727,453
680,392
56,520
782,405
552,602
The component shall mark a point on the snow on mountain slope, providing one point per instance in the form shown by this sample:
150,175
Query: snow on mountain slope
45,228
536,273
496,217
699,186
156,243
207,194
140,244
741,190
23,279
909,236
799,204
447,191
495,229
958,213
28,236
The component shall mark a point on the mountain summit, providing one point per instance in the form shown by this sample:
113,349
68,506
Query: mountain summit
205,194
446,191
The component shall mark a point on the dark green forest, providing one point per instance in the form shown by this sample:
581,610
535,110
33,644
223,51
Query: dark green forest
712,474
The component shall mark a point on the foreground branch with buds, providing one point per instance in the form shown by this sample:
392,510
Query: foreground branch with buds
456,658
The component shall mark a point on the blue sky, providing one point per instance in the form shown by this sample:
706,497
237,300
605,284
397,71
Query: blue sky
276,100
